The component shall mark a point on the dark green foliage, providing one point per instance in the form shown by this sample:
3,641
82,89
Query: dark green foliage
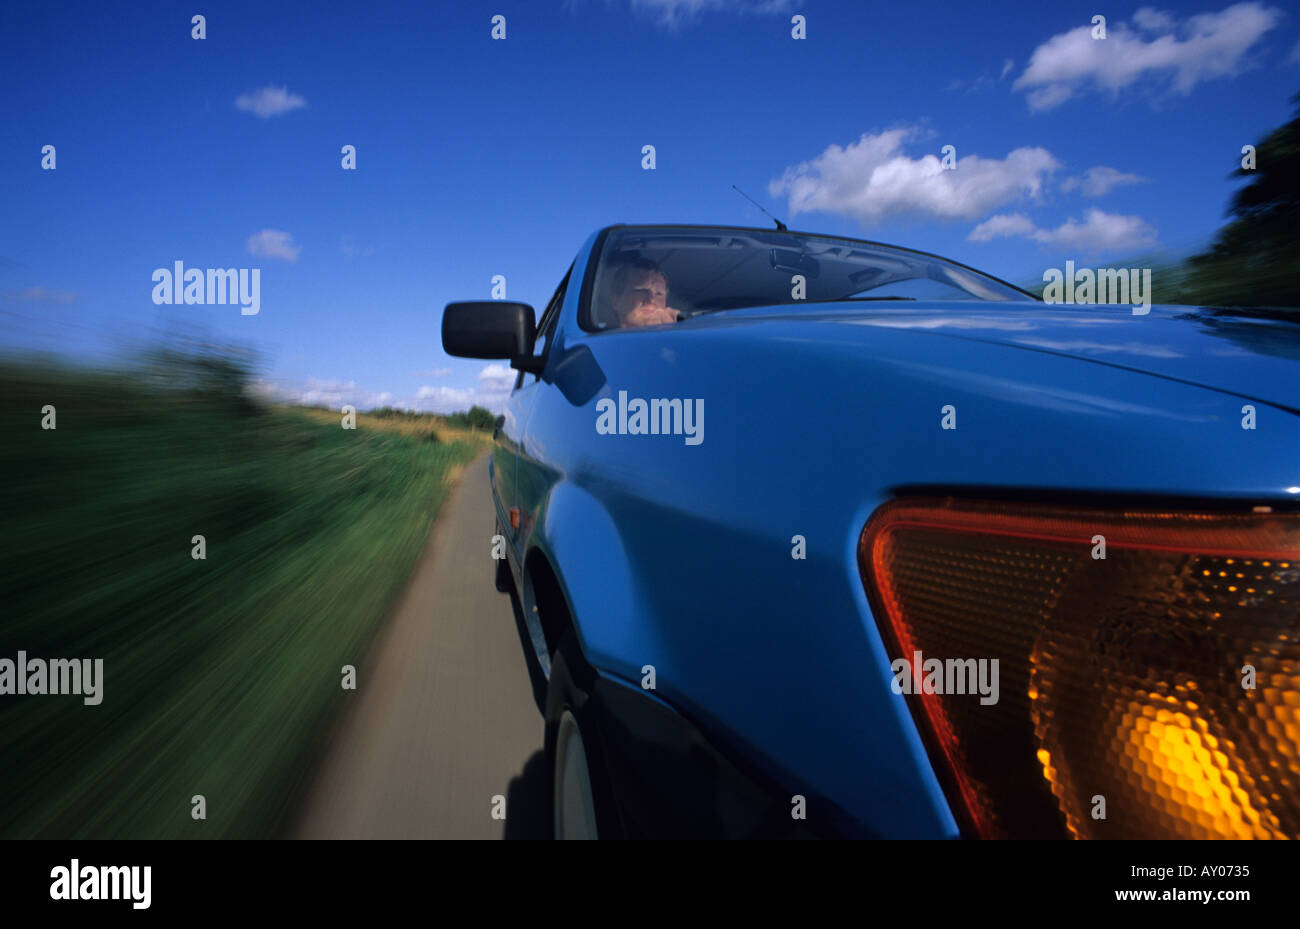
477,418
1255,259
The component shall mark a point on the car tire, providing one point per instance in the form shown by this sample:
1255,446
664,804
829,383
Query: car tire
581,800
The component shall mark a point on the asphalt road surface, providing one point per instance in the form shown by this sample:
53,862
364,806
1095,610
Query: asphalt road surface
444,718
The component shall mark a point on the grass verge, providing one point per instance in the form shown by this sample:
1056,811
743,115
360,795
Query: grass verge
219,674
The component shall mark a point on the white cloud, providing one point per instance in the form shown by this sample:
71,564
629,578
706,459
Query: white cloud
1099,231
320,392
351,249
269,101
273,243
444,399
497,377
1003,226
1046,98
1099,181
672,13
985,80
1201,48
492,390
1150,19
872,179
981,83
494,384
42,295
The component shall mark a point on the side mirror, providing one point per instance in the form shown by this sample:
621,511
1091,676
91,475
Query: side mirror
490,329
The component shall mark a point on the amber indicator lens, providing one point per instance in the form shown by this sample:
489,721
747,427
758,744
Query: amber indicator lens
1150,693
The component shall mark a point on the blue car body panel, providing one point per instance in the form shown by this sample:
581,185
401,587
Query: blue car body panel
679,556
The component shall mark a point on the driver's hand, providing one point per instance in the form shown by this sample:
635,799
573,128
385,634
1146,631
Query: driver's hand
649,315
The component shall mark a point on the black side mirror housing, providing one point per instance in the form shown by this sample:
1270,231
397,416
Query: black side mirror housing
490,329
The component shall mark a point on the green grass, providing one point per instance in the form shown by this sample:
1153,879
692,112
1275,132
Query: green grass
220,675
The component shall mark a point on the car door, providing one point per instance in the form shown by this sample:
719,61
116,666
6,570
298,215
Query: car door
513,423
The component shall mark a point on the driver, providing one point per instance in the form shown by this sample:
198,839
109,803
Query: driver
639,295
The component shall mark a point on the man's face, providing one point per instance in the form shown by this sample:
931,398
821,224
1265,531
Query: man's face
647,289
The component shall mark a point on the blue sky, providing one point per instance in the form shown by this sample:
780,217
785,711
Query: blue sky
478,157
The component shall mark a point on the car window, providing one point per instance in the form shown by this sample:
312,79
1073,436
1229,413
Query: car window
917,288
657,275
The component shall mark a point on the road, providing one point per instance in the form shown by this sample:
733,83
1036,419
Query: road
444,718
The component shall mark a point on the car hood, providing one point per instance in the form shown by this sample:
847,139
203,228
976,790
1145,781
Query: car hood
1254,354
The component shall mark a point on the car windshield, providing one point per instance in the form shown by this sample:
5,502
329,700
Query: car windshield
651,275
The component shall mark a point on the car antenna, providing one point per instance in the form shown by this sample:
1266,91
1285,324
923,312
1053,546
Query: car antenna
779,225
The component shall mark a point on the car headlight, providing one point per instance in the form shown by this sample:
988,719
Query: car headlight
1153,692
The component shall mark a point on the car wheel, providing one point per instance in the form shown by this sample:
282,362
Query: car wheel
581,801
573,810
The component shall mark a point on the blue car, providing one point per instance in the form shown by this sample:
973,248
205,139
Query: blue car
814,536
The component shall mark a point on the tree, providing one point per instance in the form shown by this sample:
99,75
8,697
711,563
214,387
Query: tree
477,418
481,418
1254,259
